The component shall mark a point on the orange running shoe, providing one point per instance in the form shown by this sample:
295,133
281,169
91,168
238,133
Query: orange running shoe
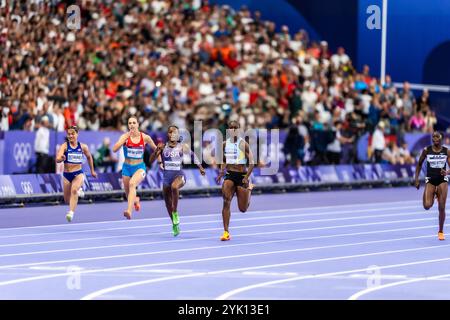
441,236
225,236
127,214
137,204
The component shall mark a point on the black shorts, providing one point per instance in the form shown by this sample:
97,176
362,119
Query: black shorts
236,177
435,181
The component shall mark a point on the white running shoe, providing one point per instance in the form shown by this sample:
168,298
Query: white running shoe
80,193
69,216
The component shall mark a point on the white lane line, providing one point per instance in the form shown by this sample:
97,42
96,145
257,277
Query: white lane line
126,285
361,293
16,281
140,254
217,229
213,238
228,294
234,292
212,221
215,214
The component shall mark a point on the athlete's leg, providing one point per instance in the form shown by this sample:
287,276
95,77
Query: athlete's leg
177,184
228,190
126,186
167,193
442,199
135,180
428,196
243,197
67,187
77,182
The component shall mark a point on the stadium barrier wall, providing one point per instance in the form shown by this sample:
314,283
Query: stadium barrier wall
26,188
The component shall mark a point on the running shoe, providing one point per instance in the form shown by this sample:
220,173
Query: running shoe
441,236
176,229
69,216
175,218
225,236
127,214
137,204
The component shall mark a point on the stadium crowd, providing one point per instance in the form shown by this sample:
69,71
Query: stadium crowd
173,62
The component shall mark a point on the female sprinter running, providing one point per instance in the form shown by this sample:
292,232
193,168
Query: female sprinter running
71,153
133,169
173,175
236,153
436,180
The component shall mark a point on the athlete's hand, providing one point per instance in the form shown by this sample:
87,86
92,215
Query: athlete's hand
62,158
94,174
417,184
160,147
202,171
245,181
443,172
161,166
219,177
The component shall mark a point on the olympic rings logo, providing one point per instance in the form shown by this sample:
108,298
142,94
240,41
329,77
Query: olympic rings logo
27,188
22,154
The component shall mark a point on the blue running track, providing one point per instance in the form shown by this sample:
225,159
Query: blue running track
365,244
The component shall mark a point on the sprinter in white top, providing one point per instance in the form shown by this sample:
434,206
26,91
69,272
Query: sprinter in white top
236,154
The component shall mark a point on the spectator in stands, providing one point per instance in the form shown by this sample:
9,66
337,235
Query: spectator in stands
103,158
405,155
293,147
334,149
196,58
417,122
391,153
378,142
42,147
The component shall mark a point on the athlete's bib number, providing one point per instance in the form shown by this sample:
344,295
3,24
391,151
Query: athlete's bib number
172,165
135,153
437,161
75,157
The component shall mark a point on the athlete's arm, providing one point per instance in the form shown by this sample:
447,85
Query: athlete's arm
123,138
448,163
418,167
88,155
251,162
60,157
222,165
156,153
149,140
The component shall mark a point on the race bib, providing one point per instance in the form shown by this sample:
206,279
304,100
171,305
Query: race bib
172,165
135,153
231,158
75,157
437,161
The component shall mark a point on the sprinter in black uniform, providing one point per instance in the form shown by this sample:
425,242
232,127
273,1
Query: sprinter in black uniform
436,180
